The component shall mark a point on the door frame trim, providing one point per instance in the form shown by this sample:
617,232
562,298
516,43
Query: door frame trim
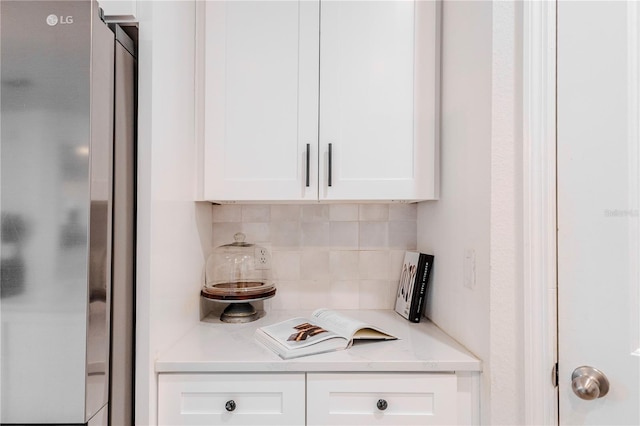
539,212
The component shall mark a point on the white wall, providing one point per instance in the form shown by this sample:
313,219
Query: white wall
461,218
507,276
170,251
480,203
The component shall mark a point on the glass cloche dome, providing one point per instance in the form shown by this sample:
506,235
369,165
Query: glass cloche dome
238,273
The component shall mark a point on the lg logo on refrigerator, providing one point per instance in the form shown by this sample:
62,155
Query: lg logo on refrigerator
53,20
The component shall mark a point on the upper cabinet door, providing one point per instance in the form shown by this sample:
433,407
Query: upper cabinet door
307,100
260,100
379,63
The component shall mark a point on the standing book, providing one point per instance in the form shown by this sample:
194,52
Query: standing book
412,286
324,331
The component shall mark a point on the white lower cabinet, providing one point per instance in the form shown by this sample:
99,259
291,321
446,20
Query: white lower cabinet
382,399
231,399
327,398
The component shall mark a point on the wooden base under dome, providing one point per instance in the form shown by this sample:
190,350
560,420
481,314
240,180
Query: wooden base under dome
240,310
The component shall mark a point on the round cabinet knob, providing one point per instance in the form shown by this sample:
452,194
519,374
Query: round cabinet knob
230,405
589,383
382,404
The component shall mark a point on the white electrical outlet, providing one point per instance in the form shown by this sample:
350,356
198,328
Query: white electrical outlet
262,258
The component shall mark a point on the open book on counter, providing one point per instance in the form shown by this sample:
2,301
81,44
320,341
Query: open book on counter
324,331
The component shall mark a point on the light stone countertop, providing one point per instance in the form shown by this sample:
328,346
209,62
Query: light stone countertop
213,346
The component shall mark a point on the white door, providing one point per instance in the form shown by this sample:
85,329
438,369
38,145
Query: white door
598,233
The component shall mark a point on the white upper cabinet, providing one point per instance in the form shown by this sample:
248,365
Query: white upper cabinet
308,100
260,100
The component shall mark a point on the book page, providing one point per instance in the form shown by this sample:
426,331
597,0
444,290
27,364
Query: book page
346,326
299,333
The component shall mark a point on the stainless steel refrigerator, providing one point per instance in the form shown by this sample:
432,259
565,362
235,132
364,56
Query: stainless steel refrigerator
67,201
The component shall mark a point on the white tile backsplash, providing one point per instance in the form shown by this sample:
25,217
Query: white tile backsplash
344,212
285,235
374,265
257,232
343,235
223,232
285,213
315,234
375,294
315,263
343,265
396,259
313,294
288,294
374,235
374,212
402,235
344,294
403,212
286,265
315,213
227,213
256,213
341,256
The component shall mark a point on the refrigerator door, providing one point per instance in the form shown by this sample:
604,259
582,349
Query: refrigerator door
124,176
55,136
100,215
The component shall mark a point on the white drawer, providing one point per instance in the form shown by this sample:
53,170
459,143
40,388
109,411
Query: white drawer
411,399
260,399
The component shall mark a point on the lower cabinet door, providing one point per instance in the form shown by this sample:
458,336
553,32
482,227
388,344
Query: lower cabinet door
231,399
381,399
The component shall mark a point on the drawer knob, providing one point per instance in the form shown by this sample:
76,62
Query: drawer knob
230,405
382,404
